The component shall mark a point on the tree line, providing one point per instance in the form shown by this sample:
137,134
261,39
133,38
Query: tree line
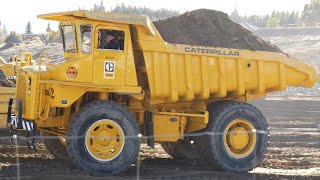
309,17
153,14
3,32
274,20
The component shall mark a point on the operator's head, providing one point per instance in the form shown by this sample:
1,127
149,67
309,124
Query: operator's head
109,36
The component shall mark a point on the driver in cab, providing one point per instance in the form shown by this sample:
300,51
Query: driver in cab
111,43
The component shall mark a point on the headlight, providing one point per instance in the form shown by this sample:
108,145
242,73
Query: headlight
29,81
29,91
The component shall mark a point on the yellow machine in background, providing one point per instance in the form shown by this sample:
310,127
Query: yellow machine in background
97,99
8,70
8,73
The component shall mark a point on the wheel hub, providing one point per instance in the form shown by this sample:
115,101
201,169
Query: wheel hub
105,140
239,138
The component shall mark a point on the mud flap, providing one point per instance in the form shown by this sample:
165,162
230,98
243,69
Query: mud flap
18,123
149,128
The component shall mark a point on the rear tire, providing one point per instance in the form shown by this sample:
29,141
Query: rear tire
234,146
103,138
54,146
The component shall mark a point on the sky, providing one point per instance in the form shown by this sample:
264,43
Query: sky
16,13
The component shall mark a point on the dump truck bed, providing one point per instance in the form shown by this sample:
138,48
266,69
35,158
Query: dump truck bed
185,73
177,72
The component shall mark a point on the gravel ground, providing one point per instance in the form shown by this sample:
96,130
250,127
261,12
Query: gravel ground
293,153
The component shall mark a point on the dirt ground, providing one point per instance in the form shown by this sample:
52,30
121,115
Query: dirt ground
293,153
36,47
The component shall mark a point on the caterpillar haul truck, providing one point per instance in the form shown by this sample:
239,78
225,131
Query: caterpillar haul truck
95,102
7,89
8,73
8,70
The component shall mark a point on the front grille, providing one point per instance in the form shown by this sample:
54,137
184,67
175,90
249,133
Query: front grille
22,90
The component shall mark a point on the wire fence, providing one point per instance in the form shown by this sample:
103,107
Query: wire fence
292,152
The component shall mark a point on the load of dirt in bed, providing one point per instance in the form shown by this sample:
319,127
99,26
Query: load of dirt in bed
205,27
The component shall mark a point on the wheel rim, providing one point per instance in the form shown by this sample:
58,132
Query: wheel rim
239,138
105,140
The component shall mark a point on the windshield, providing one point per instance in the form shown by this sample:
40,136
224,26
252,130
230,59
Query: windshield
86,38
69,38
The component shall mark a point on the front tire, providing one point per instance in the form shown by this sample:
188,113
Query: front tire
236,137
103,138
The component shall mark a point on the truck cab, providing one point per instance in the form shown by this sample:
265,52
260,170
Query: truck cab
53,91
88,60
87,64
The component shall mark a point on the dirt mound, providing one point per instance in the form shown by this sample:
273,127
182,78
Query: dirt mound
14,38
205,27
7,46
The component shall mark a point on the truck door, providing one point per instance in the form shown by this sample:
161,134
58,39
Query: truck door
109,56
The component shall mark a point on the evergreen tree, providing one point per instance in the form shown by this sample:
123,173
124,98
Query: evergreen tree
48,28
311,13
100,7
4,30
293,18
235,16
2,37
152,14
28,28
273,22
270,20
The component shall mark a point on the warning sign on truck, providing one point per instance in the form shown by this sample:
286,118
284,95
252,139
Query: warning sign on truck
109,69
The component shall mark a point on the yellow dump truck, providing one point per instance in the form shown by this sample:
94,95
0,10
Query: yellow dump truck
92,105
7,87
7,70
8,73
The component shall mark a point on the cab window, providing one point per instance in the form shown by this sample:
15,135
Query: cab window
86,38
111,39
69,38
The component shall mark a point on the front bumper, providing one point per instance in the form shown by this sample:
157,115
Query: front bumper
15,120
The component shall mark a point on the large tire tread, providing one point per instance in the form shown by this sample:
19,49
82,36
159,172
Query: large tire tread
216,110
78,117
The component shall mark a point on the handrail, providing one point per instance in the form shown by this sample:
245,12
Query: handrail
46,109
42,55
39,88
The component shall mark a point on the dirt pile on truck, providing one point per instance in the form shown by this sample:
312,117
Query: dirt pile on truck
205,27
